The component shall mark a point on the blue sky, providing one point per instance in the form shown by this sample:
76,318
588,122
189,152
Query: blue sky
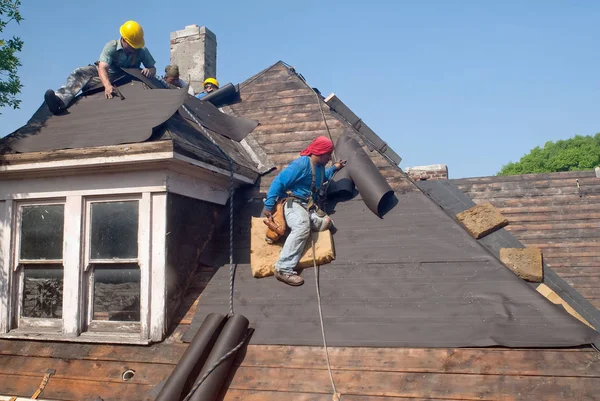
472,84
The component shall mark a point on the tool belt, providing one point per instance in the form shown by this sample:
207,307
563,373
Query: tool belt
276,224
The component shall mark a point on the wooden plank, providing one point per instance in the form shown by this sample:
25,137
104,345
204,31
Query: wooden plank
535,192
525,177
257,395
370,398
296,117
318,124
264,139
289,83
100,151
557,200
569,253
573,244
93,371
508,186
72,390
157,353
524,234
428,360
550,208
395,384
274,93
577,271
572,261
266,113
552,216
554,227
260,104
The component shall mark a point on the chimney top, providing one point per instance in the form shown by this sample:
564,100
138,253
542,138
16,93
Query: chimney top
194,50
192,30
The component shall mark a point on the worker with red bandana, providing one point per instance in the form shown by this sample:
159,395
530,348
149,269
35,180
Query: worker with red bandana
298,183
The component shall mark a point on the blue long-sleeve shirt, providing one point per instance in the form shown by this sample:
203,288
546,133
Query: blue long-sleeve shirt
297,178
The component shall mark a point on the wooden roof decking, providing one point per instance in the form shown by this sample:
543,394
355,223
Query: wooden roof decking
550,212
290,118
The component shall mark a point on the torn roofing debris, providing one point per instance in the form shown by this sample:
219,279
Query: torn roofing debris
95,121
147,113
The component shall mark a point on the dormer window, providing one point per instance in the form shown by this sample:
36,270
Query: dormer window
39,267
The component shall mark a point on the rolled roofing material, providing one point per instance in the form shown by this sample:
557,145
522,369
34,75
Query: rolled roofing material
372,186
341,184
224,95
230,336
192,360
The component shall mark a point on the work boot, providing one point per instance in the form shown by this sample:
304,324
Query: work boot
55,104
290,279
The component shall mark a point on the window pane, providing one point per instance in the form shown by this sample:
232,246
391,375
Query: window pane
117,292
114,230
42,291
42,231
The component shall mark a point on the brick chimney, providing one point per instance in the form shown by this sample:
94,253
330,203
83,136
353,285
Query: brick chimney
431,172
194,50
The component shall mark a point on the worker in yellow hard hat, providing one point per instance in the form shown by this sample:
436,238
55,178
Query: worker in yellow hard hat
210,85
126,52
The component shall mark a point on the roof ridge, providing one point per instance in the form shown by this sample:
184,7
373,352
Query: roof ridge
258,75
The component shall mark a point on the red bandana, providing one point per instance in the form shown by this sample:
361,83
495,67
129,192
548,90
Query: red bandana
320,146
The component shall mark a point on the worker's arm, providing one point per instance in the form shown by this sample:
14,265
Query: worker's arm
106,58
103,74
335,167
148,61
283,182
149,72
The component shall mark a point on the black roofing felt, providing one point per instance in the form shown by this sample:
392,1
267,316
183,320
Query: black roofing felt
412,279
96,121
93,120
454,201
235,128
188,136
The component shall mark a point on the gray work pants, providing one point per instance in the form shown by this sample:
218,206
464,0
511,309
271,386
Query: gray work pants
81,78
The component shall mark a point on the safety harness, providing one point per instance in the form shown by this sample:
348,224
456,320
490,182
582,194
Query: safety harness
309,203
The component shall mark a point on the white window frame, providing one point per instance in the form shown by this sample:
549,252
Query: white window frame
18,271
73,325
88,325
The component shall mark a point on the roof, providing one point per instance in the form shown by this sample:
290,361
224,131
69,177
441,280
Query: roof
556,212
147,113
412,279
288,113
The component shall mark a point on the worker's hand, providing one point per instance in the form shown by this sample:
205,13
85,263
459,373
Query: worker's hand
339,164
108,91
268,214
149,72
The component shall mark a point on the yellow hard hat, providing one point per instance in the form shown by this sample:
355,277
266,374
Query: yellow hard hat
211,81
133,34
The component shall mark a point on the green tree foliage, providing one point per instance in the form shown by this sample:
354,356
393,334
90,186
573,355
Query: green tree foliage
578,153
10,84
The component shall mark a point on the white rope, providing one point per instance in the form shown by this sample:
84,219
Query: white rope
336,395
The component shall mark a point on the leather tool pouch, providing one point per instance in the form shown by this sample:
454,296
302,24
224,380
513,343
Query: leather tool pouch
276,225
